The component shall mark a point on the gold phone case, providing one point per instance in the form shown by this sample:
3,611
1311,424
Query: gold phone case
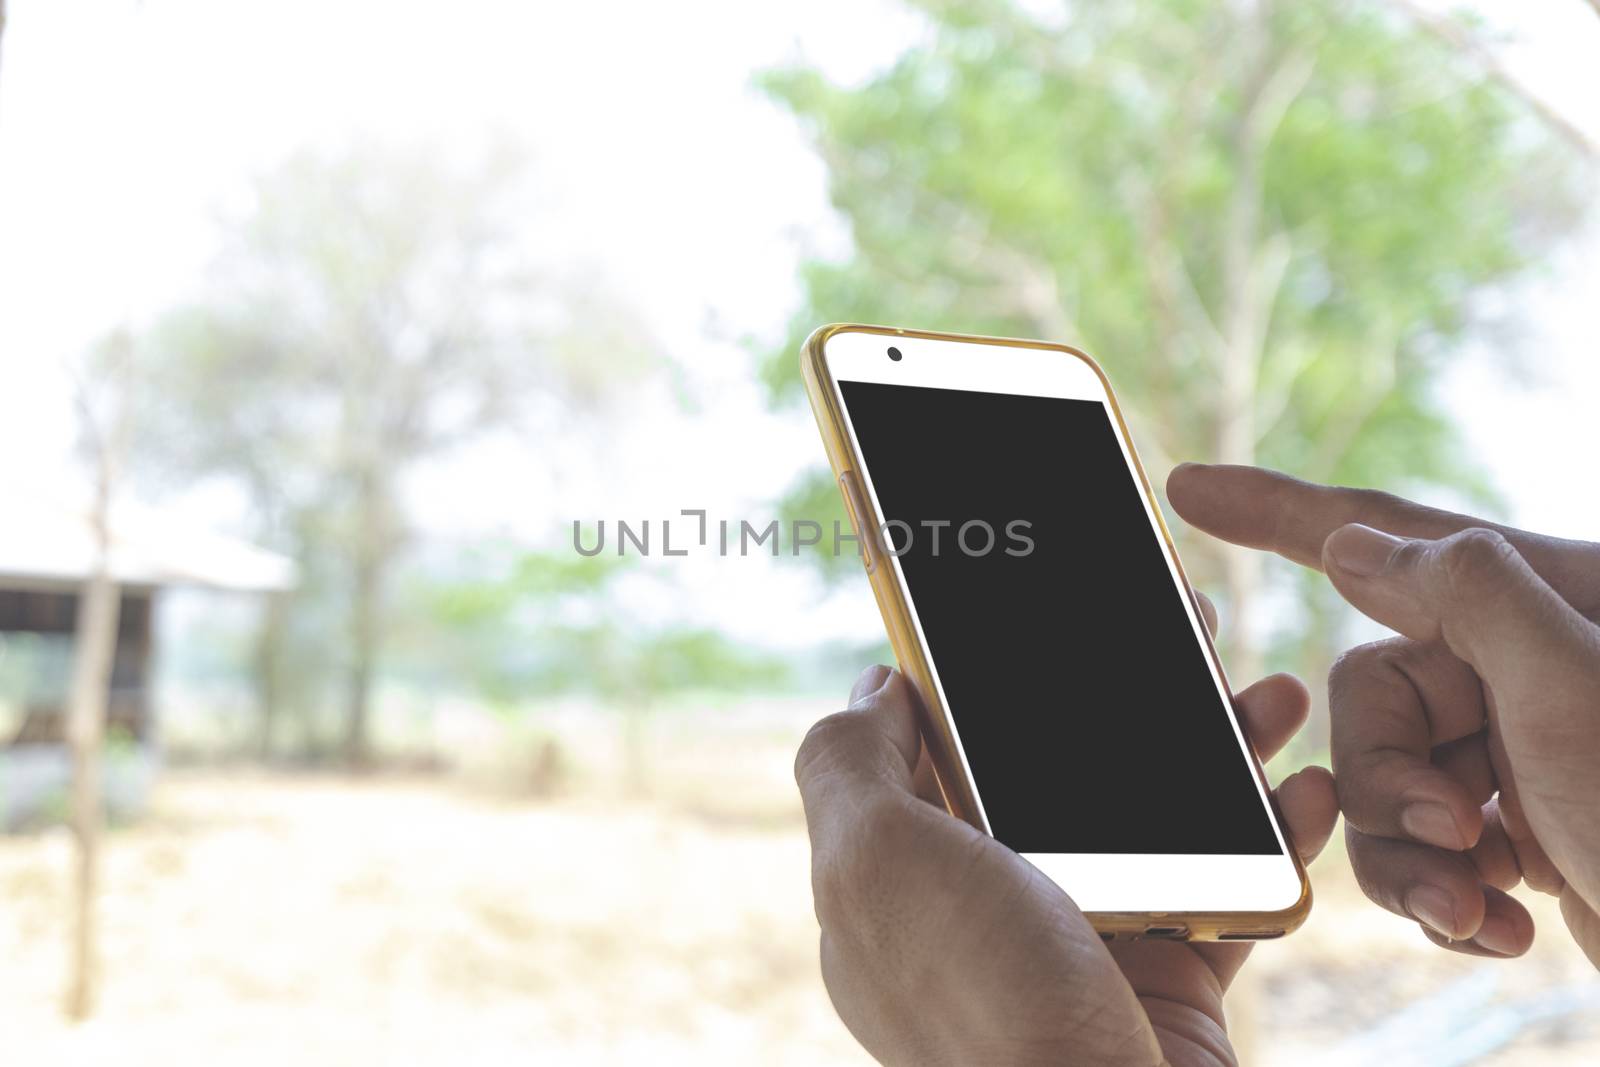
937,735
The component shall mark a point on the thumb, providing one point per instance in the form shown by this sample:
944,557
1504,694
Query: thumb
873,743
1471,590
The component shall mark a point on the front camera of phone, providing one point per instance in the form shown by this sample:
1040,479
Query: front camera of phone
894,354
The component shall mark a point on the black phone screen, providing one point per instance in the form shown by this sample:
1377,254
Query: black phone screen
1079,689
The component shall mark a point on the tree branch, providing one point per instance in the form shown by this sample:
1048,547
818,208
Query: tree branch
1335,441
1253,267
1452,34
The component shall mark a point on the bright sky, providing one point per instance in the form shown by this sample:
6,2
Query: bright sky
125,125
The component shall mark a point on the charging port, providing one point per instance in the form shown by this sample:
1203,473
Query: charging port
1170,932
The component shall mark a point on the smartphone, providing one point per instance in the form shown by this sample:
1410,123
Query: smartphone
1073,704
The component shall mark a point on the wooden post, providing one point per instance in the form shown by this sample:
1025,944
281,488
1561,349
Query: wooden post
105,426
94,647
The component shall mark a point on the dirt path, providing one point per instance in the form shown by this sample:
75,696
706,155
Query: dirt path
270,921
314,921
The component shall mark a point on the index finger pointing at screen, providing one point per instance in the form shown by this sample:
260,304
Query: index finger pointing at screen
1263,509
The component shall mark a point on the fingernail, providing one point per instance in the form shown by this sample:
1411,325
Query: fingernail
1361,550
1434,908
1432,824
869,682
1497,935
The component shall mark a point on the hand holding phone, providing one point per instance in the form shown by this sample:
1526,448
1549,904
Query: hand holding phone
941,945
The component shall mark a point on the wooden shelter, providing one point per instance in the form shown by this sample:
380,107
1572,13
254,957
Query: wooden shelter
46,552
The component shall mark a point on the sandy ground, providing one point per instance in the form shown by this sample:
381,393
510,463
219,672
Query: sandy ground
257,918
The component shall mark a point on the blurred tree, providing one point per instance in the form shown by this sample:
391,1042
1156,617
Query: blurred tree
370,311
1273,222
518,625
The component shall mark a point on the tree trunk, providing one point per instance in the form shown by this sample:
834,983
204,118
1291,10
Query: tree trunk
1253,267
95,647
363,653
1241,327
366,604
268,666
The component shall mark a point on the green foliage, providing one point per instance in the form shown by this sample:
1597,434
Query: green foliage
640,668
514,625
531,578
1274,224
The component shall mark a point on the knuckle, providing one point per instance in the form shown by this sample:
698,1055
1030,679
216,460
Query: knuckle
1369,783
1352,798
1397,653
1474,555
1356,663
830,897
1375,869
830,891
824,738
1372,874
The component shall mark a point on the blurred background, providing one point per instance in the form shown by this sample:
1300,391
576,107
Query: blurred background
322,326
